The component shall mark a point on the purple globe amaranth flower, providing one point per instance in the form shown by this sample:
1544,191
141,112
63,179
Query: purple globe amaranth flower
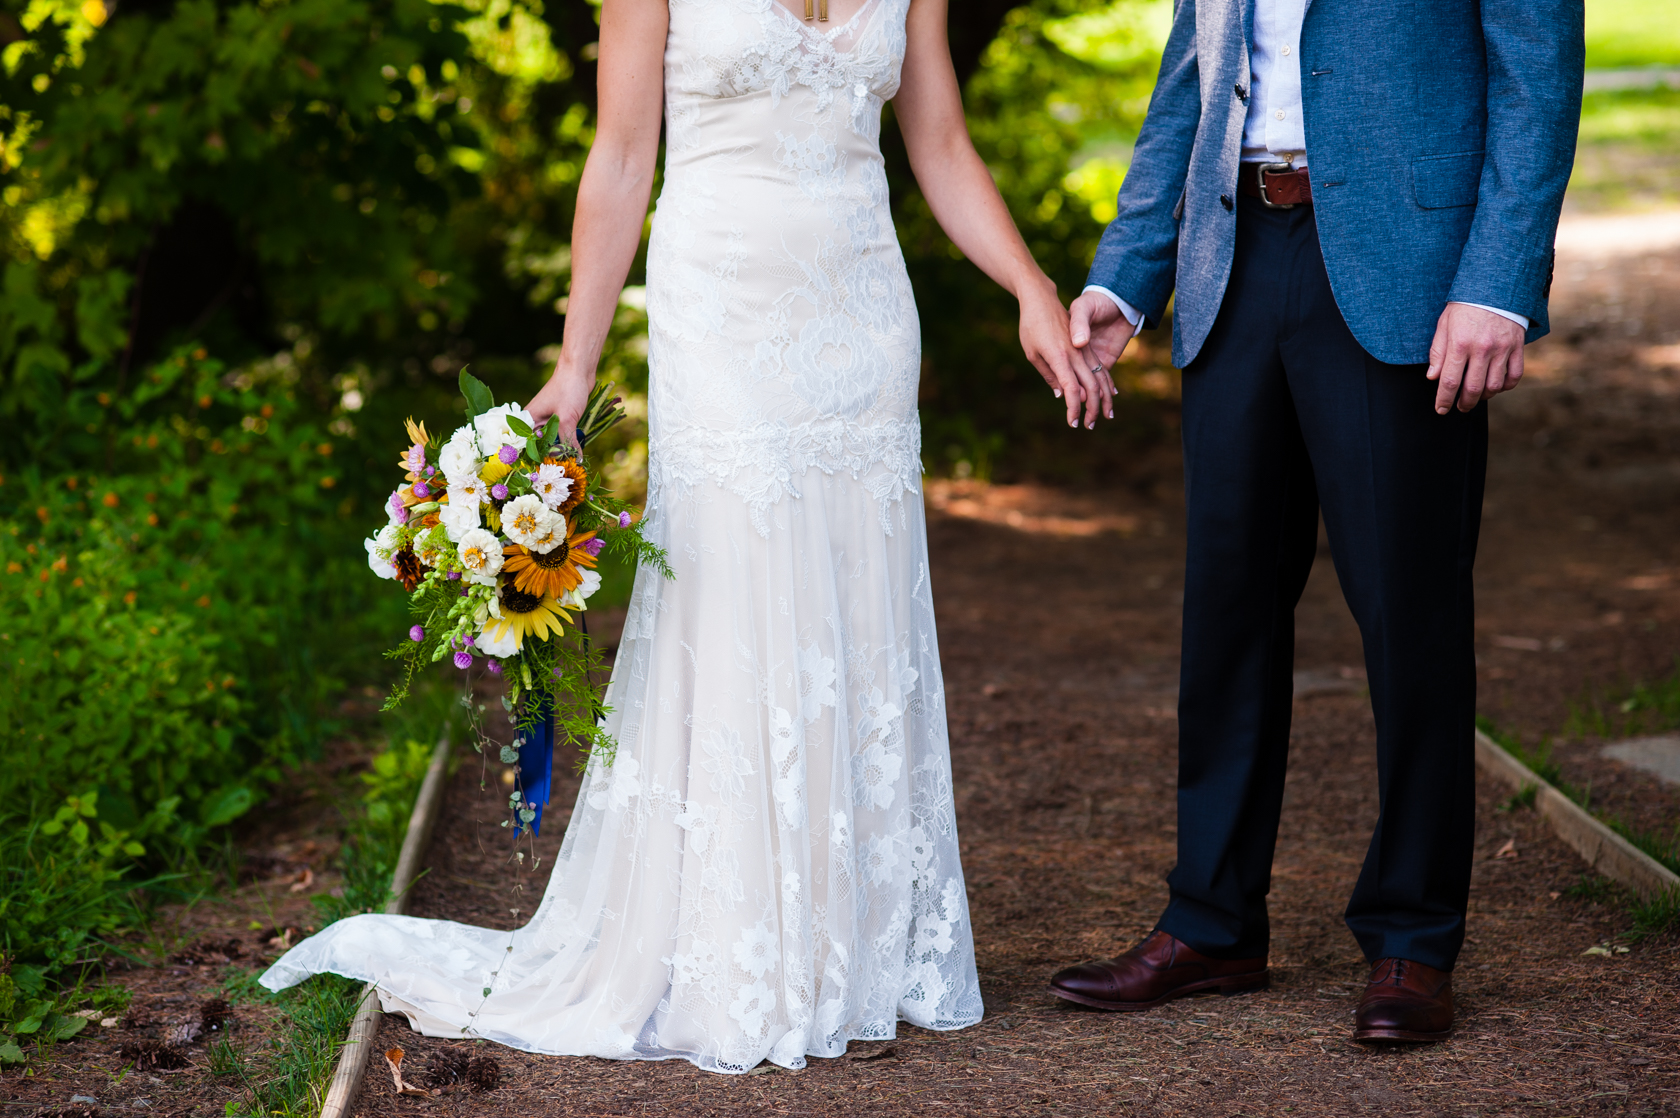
499,491
398,509
454,575
418,633
495,666
463,660
469,640
422,490
624,520
508,455
595,545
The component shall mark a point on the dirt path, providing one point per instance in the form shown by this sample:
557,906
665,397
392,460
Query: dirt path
1061,693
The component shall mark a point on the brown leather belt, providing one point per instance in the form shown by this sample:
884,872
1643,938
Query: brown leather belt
1275,184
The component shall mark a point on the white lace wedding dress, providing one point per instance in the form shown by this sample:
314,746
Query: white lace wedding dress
769,868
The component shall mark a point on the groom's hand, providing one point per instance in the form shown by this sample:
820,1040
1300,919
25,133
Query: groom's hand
1099,330
1476,354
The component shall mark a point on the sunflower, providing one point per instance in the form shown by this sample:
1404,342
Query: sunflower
580,481
551,573
524,615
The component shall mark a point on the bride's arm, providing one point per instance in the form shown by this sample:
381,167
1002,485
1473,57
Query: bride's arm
960,192
612,196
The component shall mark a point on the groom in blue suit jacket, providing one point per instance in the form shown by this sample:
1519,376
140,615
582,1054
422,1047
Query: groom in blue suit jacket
1355,202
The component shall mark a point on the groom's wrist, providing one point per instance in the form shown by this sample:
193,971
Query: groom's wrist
1130,313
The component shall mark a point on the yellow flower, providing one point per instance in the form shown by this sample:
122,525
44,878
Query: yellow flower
551,573
524,615
417,432
494,470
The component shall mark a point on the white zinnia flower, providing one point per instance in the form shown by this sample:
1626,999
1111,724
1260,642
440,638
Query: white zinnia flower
467,488
460,455
578,595
552,535
493,430
527,521
481,556
378,548
552,485
459,518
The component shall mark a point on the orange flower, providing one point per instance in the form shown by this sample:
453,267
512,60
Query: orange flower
580,482
550,574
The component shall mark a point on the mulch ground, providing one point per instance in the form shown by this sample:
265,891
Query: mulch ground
1061,693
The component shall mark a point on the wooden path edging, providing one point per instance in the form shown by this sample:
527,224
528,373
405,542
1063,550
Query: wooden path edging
358,1045
1603,849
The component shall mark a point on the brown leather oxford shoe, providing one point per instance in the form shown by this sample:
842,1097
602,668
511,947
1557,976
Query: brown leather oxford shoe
1405,1001
1157,970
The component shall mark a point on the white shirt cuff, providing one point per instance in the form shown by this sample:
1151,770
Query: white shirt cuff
1517,318
1131,313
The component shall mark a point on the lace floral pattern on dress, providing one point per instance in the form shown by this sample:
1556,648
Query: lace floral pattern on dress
768,868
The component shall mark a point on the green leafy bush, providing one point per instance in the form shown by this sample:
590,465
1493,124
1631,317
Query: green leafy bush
163,620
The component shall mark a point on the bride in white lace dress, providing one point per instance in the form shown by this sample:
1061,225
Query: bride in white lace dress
769,868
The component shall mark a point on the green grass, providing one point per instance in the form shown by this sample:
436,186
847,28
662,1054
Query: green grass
1523,800
1537,761
1656,917
1643,708
292,1074
1629,33
1660,914
1628,156
1647,116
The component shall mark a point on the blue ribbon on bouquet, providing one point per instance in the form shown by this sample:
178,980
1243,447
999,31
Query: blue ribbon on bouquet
536,761
536,751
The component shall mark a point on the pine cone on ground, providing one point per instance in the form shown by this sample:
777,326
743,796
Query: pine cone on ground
483,1072
446,1067
215,1014
149,1054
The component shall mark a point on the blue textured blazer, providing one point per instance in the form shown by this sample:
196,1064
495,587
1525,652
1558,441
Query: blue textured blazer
1440,134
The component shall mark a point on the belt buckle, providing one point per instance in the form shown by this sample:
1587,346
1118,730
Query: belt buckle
1260,178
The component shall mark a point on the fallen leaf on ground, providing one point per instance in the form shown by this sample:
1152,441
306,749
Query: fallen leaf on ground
393,1059
1509,850
304,880
1596,950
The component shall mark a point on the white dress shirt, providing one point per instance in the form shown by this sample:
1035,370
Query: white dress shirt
1273,131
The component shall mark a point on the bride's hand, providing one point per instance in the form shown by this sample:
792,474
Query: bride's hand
1045,339
565,396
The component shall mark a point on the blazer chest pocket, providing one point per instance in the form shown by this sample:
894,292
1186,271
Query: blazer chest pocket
1442,181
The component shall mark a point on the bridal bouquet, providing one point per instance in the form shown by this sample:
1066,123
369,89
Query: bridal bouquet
495,534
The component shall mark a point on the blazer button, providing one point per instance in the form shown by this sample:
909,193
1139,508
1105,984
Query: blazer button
1225,200
1242,94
